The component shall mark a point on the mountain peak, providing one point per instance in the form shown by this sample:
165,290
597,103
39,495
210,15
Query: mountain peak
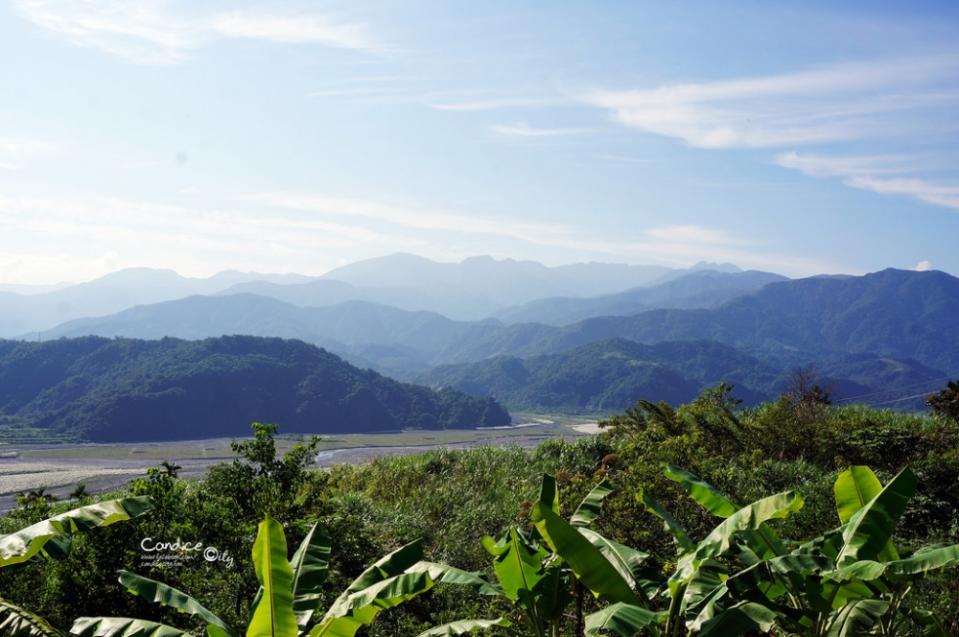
715,267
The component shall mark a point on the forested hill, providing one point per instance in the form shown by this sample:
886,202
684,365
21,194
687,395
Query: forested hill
106,390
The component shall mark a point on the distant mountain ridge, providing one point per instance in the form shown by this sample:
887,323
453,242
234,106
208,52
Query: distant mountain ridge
895,313
468,290
129,390
36,311
696,289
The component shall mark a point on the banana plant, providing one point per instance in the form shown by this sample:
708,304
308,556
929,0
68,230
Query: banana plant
743,537
850,581
51,538
290,594
856,580
541,572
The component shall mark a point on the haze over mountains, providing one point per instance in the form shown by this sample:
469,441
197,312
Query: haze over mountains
590,337
468,290
37,308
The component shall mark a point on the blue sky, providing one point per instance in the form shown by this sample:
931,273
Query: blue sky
283,136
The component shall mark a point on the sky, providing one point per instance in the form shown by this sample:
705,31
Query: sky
801,138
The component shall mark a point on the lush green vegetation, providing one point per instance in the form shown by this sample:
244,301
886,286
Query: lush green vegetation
608,376
790,458
126,390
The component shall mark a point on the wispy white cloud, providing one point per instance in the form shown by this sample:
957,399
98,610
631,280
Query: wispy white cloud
13,151
902,102
936,194
192,239
815,165
837,103
522,129
318,29
412,217
152,32
491,104
882,174
18,149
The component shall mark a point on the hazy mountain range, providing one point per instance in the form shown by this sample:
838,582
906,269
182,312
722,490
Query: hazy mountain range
37,308
591,337
470,290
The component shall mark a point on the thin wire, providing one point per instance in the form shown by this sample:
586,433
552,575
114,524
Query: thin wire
899,400
908,386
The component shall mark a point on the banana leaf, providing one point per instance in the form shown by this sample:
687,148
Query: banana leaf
854,488
361,607
625,620
273,614
388,582
389,565
763,541
158,592
683,543
857,617
702,492
310,564
743,618
24,544
19,622
591,505
628,561
463,627
870,529
585,560
123,627
517,562
549,493
443,574
928,559
721,538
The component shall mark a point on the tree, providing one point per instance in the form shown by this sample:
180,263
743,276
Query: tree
805,393
946,402
259,479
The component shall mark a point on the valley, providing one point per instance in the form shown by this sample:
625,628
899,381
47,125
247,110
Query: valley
101,467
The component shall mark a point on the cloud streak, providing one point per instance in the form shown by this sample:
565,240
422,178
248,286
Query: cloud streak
150,32
492,104
524,130
837,103
881,174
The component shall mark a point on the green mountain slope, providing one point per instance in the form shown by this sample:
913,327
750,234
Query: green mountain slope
610,375
127,390
614,373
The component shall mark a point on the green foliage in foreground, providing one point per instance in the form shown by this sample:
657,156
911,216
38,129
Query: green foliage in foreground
452,499
288,598
51,538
